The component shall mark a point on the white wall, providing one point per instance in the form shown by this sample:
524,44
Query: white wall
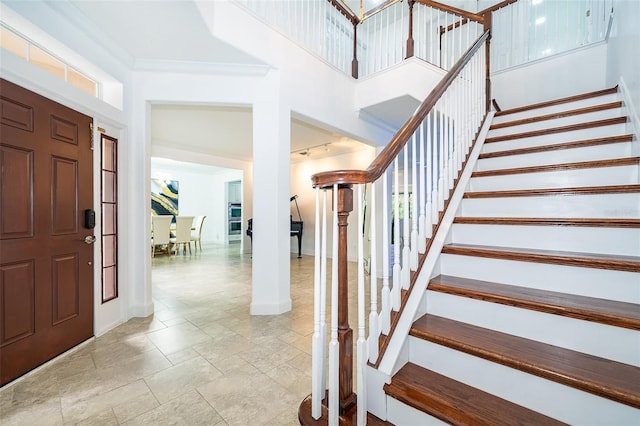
201,193
571,73
41,23
623,55
301,173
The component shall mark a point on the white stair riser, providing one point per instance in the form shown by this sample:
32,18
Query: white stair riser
617,241
557,122
586,206
596,176
601,283
598,100
555,138
550,398
619,344
591,153
399,413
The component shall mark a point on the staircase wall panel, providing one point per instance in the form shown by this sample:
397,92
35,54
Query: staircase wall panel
399,413
619,175
619,241
550,398
602,283
575,135
587,206
552,109
556,122
592,153
622,345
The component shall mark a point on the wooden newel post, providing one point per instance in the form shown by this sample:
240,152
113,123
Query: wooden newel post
487,26
345,334
410,39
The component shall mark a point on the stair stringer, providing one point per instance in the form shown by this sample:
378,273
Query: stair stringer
396,354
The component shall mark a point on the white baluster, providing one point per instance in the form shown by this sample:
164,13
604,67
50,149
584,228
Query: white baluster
422,242
387,49
385,309
431,39
374,319
362,343
413,260
437,39
441,157
450,144
397,269
432,203
334,346
317,392
323,294
453,41
406,250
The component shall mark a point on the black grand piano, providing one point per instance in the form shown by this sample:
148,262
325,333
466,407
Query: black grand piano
295,231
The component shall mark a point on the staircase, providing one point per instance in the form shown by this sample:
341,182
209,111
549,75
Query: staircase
533,313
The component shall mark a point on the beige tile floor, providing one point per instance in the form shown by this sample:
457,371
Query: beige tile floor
200,359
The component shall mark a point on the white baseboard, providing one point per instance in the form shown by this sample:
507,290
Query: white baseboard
271,308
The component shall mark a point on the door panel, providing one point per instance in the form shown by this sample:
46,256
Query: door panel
17,300
17,217
46,269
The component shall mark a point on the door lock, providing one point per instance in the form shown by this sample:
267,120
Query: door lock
90,239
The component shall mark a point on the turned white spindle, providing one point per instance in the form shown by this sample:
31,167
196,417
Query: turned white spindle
397,269
334,397
361,345
374,318
406,250
432,192
317,392
323,291
413,260
422,243
385,308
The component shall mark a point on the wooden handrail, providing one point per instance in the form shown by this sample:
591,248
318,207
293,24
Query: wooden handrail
461,12
382,6
399,140
347,13
496,7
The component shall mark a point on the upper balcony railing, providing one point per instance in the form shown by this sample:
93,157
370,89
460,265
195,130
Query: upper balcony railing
528,30
383,37
521,31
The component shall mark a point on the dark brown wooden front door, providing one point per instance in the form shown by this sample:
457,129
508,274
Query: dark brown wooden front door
46,267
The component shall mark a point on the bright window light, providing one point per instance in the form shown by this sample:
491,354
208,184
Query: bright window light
541,20
536,2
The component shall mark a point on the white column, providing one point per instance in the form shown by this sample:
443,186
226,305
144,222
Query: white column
271,293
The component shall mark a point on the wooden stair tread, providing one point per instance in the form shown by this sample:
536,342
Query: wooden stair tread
581,190
561,129
558,147
455,402
546,221
569,113
350,418
610,312
609,379
616,162
583,260
568,99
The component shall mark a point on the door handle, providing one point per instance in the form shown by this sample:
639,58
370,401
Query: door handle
90,239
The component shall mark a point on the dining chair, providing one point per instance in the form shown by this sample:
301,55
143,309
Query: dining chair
183,233
160,233
196,232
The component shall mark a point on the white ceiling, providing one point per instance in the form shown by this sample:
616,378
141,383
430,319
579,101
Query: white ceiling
227,132
143,31
159,30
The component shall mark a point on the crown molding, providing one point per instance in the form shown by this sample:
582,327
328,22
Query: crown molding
195,67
